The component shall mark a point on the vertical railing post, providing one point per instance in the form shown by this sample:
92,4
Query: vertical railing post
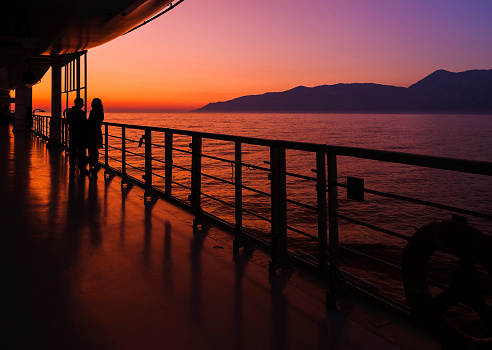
238,194
321,207
168,164
278,208
124,178
196,183
149,194
333,248
106,149
123,152
64,133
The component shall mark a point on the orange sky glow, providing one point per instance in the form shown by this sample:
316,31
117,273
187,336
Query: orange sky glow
209,51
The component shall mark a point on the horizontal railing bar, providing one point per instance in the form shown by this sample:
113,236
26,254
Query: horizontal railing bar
460,165
301,232
135,154
182,150
217,199
307,206
217,158
158,161
361,223
437,284
155,174
158,145
256,191
427,203
181,185
301,176
182,168
294,174
128,126
395,267
218,179
113,147
134,167
115,159
255,167
114,136
256,215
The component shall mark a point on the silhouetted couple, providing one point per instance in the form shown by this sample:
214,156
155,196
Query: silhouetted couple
85,134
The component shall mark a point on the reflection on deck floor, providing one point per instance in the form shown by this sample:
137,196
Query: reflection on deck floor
86,265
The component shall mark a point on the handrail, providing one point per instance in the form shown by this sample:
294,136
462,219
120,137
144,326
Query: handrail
443,163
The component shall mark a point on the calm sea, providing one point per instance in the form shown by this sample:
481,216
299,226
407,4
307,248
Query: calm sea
447,135
444,135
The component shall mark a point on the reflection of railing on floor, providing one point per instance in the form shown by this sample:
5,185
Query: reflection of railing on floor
150,156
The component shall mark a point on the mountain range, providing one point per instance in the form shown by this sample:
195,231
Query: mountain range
439,92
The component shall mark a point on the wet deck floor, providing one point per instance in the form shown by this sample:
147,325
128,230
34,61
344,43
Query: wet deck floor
86,265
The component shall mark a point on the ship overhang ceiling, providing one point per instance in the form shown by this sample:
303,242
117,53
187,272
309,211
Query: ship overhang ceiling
31,29
65,26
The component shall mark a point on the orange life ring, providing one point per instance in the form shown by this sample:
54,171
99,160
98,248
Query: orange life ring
467,241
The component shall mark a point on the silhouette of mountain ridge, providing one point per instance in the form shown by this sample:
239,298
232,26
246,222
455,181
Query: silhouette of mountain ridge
439,92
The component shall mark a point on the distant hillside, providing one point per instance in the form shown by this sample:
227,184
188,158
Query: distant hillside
439,92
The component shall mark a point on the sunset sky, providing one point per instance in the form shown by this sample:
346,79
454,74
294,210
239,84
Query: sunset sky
216,50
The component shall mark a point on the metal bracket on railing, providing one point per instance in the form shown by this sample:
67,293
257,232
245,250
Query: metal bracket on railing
140,142
355,188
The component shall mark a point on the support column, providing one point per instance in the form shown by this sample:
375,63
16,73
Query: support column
23,108
56,104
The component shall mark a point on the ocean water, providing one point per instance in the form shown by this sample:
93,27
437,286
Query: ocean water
447,135
444,135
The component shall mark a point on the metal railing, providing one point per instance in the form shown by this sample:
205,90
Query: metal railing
176,165
41,127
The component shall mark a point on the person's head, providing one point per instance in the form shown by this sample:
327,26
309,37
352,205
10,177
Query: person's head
78,102
96,103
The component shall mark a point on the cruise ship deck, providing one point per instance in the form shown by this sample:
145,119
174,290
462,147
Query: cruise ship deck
87,265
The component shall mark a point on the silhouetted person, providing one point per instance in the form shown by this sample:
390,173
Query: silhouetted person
94,134
77,126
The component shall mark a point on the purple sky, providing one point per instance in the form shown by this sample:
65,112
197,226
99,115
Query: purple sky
215,50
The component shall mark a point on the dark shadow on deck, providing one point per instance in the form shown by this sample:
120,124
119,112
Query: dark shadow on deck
87,265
